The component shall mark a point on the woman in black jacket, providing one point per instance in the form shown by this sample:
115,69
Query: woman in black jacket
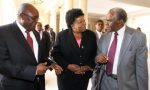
74,51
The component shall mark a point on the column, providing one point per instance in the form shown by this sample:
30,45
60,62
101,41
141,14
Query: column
62,18
53,19
68,4
8,15
83,6
1,20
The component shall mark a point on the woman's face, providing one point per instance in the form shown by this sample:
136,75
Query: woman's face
79,25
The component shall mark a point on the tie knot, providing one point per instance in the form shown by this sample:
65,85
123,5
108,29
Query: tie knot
115,33
27,31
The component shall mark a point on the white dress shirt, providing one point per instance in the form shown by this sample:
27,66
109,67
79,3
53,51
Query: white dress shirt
118,48
41,34
99,34
35,44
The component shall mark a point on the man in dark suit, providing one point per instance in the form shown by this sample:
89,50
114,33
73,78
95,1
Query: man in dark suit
122,55
45,48
45,39
51,34
99,26
21,65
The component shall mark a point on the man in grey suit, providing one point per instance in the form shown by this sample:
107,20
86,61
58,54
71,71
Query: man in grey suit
122,54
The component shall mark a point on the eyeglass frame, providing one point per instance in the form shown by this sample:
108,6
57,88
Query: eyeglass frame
32,17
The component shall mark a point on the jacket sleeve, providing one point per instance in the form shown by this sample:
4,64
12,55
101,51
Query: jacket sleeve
141,64
57,54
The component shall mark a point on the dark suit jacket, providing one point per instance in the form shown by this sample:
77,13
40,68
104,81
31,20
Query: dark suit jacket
17,61
45,44
45,47
53,35
66,51
52,38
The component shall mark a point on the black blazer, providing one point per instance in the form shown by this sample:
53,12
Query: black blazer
51,37
66,50
17,61
45,44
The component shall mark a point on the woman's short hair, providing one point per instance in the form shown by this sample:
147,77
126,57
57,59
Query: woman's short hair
71,15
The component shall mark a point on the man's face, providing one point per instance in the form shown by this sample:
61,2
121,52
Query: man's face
111,22
29,19
99,26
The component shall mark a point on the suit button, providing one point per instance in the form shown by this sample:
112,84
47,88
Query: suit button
80,63
80,56
82,47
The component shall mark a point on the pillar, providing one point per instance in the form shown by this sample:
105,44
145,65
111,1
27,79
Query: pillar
83,6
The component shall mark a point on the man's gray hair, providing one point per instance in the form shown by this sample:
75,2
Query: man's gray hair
22,8
120,13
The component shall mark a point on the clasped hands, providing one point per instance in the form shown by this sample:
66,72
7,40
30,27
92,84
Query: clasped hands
42,68
78,69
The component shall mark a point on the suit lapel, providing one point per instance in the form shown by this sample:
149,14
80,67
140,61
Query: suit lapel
107,41
126,41
104,44
73,44
21,39
37,36
84,43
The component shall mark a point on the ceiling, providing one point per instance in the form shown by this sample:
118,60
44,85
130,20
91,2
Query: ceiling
97,8
133,7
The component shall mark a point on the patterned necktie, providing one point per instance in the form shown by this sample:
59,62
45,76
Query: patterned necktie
111,55
29,40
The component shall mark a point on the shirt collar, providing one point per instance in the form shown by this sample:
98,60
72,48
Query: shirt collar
98,31
121,30
20,27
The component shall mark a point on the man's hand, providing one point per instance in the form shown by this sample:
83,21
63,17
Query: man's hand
41,68
101,58
57,68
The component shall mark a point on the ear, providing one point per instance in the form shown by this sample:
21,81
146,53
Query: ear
120,22
22,16
72,26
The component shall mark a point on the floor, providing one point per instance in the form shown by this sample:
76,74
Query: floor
51,83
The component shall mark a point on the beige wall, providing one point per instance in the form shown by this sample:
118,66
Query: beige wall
91,23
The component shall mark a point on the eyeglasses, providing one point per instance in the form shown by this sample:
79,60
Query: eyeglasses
32,17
